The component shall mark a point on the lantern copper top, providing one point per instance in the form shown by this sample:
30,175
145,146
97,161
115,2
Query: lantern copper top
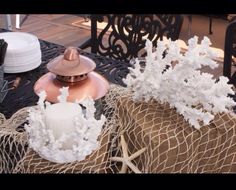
71,63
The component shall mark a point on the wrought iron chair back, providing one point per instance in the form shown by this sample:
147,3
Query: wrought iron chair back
123,36
230,52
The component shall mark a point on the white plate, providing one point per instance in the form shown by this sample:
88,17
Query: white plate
17,65
19,41
21,69
18,61
23,52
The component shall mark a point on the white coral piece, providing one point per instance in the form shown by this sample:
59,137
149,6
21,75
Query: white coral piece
183,86
64,94
84,141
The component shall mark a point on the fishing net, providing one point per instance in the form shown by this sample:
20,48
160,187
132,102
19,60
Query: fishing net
137,137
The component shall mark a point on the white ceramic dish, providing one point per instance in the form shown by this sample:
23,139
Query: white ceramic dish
23,52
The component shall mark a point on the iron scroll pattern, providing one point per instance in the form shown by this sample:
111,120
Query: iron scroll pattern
124,35
23,95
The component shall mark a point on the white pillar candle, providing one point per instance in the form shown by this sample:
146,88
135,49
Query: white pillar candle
60,118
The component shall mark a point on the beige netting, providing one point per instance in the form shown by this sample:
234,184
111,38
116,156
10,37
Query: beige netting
13,142
173,146
158,141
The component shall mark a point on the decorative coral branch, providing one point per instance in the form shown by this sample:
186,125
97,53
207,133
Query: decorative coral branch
182,85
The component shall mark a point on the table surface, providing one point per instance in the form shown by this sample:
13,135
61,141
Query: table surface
23,96
113,70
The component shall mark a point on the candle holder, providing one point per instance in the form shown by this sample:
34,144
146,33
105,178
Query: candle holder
76,72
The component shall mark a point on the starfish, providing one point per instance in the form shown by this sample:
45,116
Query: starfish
126,159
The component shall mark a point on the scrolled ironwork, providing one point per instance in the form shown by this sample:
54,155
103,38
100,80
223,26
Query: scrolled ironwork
123,36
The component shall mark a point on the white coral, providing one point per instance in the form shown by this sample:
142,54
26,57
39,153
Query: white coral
183,86
64,94
84,141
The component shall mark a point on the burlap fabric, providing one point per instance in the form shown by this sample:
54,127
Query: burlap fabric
172,146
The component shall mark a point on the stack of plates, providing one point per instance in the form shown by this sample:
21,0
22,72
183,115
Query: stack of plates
23,52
